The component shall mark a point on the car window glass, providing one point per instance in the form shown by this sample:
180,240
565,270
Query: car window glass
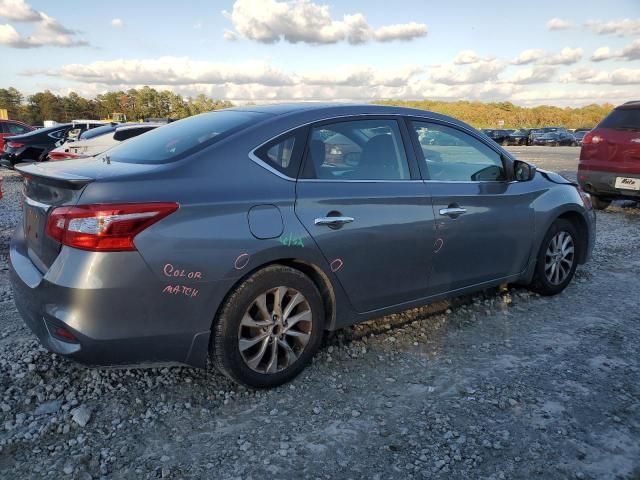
357,150
622,119
15,129
184,137
452,155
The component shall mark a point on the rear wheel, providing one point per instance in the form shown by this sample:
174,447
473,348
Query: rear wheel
557,259
269,328
600,203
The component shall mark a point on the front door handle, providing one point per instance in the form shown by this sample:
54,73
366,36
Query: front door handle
333,222
452,211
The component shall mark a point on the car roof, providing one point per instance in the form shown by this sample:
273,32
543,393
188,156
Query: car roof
131,126
321,111
633,104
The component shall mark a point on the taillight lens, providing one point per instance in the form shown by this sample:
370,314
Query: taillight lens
104,228
15,145
592,138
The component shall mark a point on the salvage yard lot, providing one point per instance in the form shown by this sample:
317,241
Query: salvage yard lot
500,385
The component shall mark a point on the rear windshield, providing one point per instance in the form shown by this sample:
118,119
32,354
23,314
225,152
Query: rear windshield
184,137
623,119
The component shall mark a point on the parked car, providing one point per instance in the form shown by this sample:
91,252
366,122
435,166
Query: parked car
33,146
226,235
36,145
497,135
9,128
578,135
555,139
537,132
100,139
609,165
519,137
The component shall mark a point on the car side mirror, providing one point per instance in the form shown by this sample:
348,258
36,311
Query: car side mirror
524,171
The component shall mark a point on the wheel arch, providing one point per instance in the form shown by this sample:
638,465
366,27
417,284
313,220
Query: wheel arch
310,269
578,221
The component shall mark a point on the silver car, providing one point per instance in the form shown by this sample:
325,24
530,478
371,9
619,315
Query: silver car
243,234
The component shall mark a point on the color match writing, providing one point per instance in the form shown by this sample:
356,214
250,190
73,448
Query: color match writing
170,271
180,290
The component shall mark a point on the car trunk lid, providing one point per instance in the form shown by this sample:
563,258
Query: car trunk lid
49,185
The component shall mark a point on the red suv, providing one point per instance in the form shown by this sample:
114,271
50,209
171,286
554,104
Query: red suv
609,166
9,128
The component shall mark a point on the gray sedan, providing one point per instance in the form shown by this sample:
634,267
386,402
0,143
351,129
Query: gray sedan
243,234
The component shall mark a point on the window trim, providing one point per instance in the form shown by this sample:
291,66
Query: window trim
507,161
299,148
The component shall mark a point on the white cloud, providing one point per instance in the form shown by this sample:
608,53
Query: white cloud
529,56
567,56
47,30
558,24
117,23
630,52
536,74
626,27
19,11
570,97
295,21
620,76
481,71
600,54
465,57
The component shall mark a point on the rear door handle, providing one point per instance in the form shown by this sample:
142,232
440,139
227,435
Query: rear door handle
452,211
333,222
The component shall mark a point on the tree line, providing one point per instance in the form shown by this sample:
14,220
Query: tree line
136,104
508,115
147,102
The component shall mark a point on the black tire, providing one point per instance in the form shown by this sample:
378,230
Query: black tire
224,346
600,203
541,283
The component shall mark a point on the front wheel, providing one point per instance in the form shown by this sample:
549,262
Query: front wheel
269,328
557,259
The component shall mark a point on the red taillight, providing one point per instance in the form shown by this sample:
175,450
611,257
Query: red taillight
56,156
15,145
592,138
64,334
104,228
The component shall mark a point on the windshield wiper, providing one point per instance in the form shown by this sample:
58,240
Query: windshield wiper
628,127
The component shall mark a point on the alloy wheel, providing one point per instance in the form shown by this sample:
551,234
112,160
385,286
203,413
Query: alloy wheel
559,258
275,330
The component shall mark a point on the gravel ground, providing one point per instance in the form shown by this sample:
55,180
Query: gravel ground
502,385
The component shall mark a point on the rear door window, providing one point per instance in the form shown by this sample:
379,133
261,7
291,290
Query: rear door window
357,150
622,119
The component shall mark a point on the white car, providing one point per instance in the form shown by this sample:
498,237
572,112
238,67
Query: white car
98,140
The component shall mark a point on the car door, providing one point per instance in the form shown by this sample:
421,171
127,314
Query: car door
484,221
361,199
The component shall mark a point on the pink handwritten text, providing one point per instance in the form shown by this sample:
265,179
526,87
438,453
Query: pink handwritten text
170,271
181,290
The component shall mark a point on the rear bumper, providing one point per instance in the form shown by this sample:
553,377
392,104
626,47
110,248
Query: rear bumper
111,303
603,184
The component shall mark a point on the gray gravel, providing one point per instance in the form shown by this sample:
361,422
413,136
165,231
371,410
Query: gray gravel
505,384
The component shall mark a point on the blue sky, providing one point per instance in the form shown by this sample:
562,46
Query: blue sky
273,50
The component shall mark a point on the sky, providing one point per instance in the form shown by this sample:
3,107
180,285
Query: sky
560,52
